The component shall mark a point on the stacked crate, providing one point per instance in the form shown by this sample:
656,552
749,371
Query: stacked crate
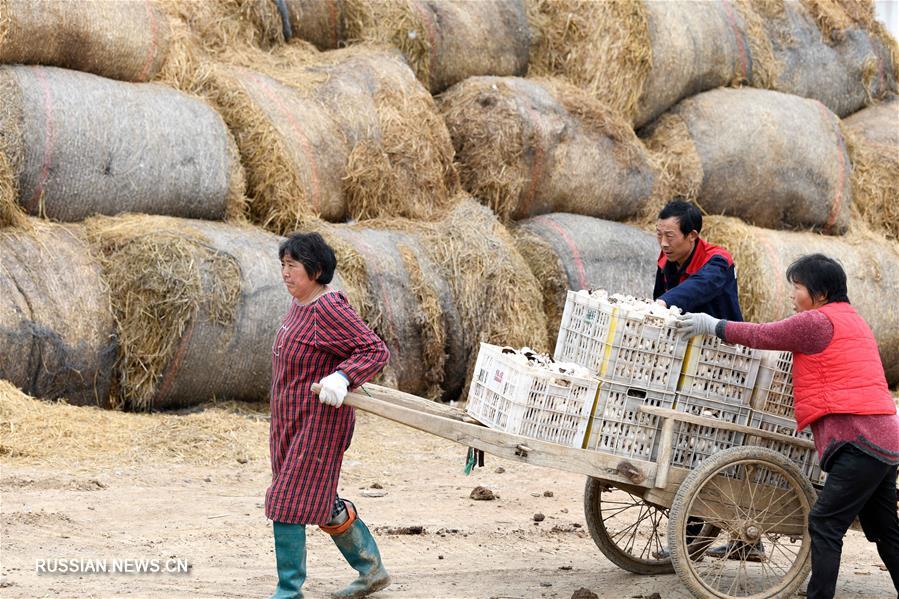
535,402
638,359
717,382
772,404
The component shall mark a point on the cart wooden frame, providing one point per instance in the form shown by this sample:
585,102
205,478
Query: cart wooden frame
746,497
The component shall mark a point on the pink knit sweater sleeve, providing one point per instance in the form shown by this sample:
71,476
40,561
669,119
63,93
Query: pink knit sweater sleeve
807,332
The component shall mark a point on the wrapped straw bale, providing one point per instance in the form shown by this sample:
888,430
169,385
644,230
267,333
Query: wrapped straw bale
534,146
78,144
775,160
445,41
120,39
762,256
461,280
873,138
402,294
197,305
835,52
639,57
569,251
349,133
57,333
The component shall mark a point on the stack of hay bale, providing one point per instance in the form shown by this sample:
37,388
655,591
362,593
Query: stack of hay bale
459,156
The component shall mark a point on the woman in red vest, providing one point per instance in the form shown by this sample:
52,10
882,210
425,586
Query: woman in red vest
840,391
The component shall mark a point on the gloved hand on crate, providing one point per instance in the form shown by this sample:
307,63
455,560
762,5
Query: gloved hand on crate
691,325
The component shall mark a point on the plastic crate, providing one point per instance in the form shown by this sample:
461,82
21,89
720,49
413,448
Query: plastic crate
534,402
720,371
693,443
618,427
637,351
806,459
774,387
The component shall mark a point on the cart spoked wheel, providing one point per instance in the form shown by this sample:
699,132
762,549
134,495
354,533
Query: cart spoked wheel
631,532
760,501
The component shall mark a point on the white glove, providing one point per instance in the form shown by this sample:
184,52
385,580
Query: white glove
334,388
691,325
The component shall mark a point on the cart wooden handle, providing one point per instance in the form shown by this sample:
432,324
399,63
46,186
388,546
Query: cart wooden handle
448,423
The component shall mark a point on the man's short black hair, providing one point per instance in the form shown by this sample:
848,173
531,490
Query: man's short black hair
822,276
688,216
313,252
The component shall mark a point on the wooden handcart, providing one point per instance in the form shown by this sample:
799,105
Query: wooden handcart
748,497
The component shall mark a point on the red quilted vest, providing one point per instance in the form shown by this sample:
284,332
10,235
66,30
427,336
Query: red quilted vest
846,378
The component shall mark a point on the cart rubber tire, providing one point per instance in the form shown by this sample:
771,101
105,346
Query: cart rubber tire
608,546
694,485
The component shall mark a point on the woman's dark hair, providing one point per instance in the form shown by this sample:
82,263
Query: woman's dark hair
688,216
822,276
311,250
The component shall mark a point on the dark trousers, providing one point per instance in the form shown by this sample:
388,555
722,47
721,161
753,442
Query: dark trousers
857,485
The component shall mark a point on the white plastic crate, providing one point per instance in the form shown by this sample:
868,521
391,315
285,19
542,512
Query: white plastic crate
693,443
619,346
720,371
534,402
620,428
806,459
774,387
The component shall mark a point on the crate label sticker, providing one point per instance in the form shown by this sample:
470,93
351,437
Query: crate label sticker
590,316
495,382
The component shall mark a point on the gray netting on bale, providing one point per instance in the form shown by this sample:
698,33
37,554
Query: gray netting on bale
639,57
762,256
400,292
319,22
57,334
197,305
80,145
775,160
569,251
349,133
832,51
529,147
121,39
873,139
448,41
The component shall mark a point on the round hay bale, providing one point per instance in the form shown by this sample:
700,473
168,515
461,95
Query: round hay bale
197,305
460,280
57,334
407,301
351,134
124,39
772,159
448,41
534,146
569,251
835,52
639,57
79,144
762,257
218,26
872,135
497,297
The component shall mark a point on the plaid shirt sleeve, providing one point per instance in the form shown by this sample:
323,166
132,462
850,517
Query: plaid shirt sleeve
342,332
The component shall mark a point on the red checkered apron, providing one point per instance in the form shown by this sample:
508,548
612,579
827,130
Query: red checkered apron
308,438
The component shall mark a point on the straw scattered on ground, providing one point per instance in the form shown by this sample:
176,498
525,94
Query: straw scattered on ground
38,432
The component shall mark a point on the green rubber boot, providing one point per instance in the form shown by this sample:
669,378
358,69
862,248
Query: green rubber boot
361,552
290,555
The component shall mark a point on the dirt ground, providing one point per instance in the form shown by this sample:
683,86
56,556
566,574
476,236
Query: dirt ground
212,517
